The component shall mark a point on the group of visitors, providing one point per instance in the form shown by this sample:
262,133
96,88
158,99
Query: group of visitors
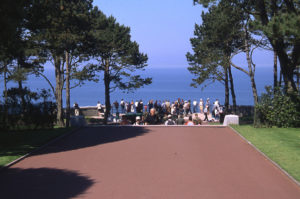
157,112
179,112
177,107
153,118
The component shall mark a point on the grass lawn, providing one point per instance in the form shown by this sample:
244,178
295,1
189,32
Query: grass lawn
280,144
16,144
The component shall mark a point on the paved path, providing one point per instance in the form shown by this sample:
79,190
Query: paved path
148,163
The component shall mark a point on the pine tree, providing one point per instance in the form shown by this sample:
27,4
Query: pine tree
60,27
118,58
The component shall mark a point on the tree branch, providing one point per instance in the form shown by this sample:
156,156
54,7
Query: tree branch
239,68
52,88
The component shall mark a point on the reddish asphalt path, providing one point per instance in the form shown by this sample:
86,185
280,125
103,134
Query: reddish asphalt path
148,163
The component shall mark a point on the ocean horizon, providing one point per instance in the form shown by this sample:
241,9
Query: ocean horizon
168,84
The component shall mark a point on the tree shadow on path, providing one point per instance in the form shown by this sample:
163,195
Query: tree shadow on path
93,136
42,183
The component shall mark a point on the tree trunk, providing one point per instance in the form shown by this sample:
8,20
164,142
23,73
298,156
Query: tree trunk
226,91
58,91
298,78
232,89
275,70
5,118
67,90
280,78
251,70
5,86
23,103
251,75
287,69
278,45
107,92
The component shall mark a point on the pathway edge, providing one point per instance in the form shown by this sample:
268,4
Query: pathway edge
264,155
39,148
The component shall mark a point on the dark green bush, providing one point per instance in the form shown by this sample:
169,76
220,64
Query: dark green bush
27,110
275,108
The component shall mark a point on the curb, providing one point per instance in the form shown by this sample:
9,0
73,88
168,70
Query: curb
265,156
37,149
143,126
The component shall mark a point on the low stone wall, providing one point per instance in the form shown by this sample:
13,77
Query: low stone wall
88,111
242,111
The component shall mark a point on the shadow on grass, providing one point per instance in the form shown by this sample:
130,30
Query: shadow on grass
93,136
18,143
42,183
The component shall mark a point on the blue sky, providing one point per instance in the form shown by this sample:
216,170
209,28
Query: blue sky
163,29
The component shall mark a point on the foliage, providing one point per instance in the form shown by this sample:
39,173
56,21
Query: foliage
277,109
215,40
23,112
278,21
60,30
118,58
116,53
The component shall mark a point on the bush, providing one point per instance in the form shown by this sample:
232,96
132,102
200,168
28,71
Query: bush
275,108
21,112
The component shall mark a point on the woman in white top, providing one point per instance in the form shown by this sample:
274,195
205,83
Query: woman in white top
201,105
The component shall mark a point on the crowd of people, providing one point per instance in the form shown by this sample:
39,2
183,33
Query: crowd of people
166,112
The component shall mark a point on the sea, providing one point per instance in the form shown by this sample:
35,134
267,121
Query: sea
168,84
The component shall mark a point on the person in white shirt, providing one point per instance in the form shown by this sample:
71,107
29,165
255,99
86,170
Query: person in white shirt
99,108
194,106
122,104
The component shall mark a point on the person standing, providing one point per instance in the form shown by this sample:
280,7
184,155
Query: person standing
168,107
99,108
136,104
205,113
140,106
195,106
185,108
116,104
122,104
150,105
217,114
208,105
201,105
216,104
128,107
189,107
76,108
132,106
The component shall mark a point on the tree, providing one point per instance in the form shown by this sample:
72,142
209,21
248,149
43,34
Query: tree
118,58
59,28
278,21
216,40
16,50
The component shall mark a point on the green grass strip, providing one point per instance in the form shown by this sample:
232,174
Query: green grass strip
14,145
282,145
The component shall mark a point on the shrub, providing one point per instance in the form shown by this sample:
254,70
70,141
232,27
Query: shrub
275,108
27,110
